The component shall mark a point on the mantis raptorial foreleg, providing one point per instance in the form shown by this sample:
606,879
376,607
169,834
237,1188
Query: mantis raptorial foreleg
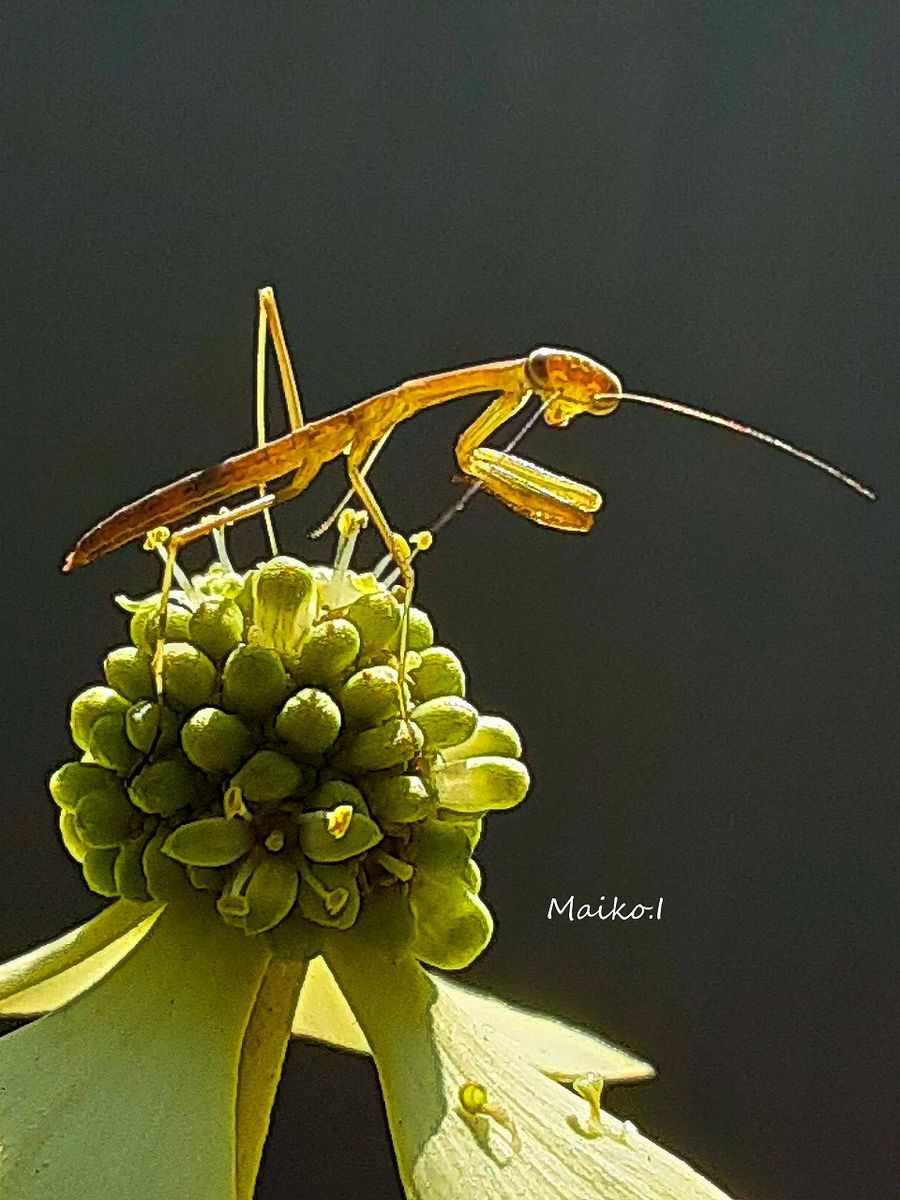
528,489
534,492
497,413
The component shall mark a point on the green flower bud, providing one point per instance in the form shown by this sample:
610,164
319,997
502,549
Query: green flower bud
219,583
142,722
232,907
129,672
309,722
479,784
189,678
327,836
328,650
216,627
271,893
254,683
245,596
166,785
471,876
106,819
73,780
70,838
215,741
286,602
377,617
244,790
440,673
439,849
445,720
131,883
370,696
144,628
470,825
386,921
207,879
210,842
329,895
98,868
89,706
399,799
166,879
452,925
390,745
494,736
268,777
334,793
109,746
419,633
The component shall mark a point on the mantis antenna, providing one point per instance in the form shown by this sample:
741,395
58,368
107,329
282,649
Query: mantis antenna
736,426
686,410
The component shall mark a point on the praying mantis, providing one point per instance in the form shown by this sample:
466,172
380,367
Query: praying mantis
565,383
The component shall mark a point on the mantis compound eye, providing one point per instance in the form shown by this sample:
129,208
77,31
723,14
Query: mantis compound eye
538,368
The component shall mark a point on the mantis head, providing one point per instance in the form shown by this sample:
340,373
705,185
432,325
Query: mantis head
570,384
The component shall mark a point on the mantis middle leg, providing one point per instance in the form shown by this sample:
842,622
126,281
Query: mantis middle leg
356,462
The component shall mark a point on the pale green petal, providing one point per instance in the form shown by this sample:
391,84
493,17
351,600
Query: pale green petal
564,1052
323,1015
262,1057
426,1048
53,974
130,1090
561,1051
28,986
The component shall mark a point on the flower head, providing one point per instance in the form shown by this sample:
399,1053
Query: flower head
288,829
292,766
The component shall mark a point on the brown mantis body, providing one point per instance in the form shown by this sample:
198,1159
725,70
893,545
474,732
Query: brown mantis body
358,433
566,382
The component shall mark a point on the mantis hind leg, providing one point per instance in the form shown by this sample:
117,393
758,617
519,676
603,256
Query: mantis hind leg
270,322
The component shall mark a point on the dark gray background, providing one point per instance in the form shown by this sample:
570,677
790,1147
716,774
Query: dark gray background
697,194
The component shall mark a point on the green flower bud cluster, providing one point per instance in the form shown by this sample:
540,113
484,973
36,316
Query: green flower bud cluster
286,769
